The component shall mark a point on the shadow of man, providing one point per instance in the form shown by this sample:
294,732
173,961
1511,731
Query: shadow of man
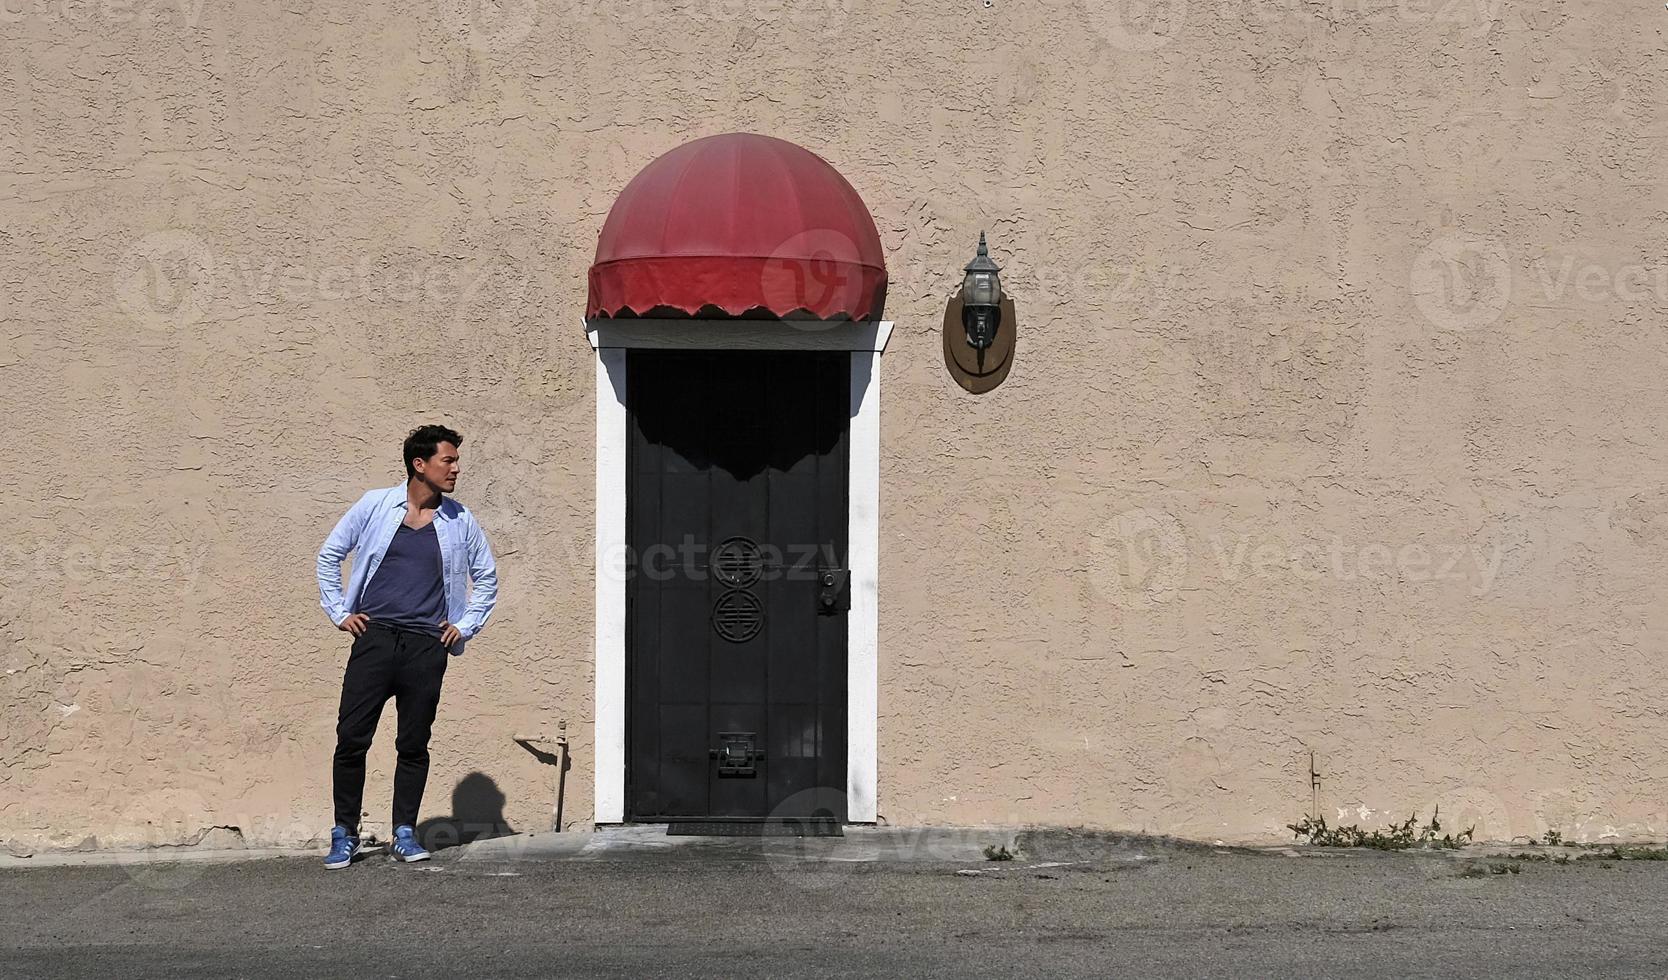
477,814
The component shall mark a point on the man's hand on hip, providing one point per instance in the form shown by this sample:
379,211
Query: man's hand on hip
449,635
355,624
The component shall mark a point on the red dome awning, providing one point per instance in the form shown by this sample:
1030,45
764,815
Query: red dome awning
739,223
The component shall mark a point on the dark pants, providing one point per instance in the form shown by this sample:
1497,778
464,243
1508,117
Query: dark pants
408,667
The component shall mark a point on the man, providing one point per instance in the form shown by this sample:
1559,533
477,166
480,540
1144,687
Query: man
407,606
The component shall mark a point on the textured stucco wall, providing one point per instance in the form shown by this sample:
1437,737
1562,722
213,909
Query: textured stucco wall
1336,423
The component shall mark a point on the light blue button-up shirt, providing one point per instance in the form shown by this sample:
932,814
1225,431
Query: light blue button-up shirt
469,575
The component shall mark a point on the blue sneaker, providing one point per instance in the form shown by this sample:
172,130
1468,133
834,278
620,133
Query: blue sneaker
342,848
405,846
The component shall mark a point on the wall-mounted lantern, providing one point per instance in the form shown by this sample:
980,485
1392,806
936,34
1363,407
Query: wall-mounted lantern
979,326
981,299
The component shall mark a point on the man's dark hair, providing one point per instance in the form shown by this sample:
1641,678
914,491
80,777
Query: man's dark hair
424,441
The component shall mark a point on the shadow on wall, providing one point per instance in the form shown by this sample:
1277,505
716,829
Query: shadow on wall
477,814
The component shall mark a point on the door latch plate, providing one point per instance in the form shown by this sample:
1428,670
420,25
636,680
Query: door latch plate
737,754
832,594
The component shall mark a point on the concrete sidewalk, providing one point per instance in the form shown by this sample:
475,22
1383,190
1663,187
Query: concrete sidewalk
861,844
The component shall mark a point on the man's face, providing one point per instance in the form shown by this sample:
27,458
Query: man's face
440,470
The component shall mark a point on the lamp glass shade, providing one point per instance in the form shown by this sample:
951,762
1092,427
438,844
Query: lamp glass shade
981,289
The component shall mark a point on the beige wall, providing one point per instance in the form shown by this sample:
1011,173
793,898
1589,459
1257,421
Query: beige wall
1257,485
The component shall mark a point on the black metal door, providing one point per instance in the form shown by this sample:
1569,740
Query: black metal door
736,605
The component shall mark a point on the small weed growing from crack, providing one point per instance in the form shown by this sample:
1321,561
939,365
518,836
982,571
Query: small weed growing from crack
1485,870
1544,858
1402,836
998,852
1626,854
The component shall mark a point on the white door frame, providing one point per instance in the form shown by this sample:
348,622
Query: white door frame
866,341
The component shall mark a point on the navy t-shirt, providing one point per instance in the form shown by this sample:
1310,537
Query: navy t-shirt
406,590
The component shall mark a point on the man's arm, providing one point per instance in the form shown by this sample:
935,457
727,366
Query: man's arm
483,577
336,548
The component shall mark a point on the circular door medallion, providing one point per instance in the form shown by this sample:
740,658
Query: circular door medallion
737,616
737,562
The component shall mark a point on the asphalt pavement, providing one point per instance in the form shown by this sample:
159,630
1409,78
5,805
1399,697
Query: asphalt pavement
500,909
